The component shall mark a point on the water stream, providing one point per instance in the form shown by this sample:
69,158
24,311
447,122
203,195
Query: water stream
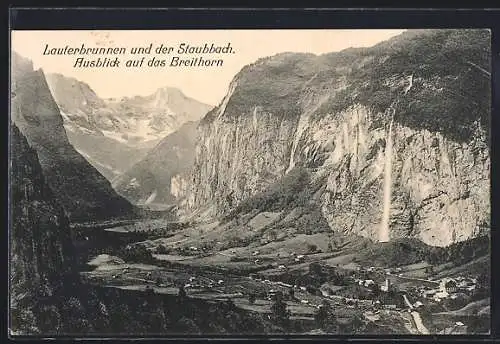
384,226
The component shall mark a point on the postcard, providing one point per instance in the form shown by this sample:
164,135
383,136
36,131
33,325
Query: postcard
250,182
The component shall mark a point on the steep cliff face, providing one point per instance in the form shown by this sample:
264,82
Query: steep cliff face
80,189
399,129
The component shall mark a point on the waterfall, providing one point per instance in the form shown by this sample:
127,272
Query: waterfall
384,226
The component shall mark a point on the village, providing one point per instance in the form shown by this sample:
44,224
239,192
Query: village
376,294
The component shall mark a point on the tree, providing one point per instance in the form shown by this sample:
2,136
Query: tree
483,280
279,312
251,298
181,296
315,268
150,290
162,249
375,290
311,248
330,247
230,304
357,324
323,314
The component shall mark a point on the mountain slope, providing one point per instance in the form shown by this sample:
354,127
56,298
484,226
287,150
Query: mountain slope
400,128
41,258
80,189
150,180
114,134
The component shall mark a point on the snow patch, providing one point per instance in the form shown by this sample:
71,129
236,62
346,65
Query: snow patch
113,135
133,182
151,197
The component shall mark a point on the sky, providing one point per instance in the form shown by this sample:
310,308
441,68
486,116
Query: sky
206,84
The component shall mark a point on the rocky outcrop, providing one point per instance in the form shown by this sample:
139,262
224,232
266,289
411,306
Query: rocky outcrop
331,114
80,189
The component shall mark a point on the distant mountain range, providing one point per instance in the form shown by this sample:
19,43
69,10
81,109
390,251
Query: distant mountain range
114,134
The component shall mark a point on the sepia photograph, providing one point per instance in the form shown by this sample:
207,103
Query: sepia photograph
249,182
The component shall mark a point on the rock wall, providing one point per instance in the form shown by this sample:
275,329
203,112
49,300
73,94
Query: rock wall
331,114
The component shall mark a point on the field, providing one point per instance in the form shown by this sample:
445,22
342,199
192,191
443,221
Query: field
306,268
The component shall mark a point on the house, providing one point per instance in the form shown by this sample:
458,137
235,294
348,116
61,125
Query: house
430,293
441,295
458,328
299,258
386,286
418,304
451,286
271,294
369,282
471,288
326,290
444,282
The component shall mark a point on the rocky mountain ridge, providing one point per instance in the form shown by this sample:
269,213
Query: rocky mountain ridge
114,134
425,93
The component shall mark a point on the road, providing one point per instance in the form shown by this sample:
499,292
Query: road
408,303
418,322
414,279
416,317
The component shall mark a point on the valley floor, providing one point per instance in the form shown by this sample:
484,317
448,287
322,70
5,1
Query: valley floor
178,258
